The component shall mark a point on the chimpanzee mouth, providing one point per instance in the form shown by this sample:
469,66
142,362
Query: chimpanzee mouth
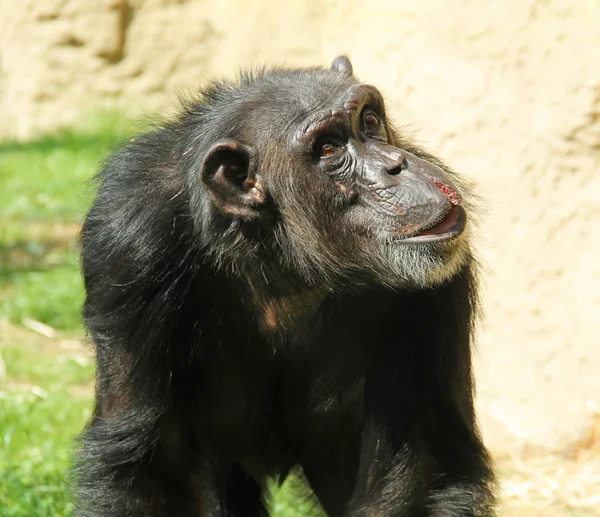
451,226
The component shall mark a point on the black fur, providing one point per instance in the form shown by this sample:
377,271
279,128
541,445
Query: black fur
231,348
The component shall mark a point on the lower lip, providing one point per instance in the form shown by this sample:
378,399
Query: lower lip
451,226
446,225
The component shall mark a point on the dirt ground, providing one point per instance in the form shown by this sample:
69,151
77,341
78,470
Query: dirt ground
552,484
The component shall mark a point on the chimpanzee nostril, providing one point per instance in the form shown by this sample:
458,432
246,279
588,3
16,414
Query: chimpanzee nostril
397,169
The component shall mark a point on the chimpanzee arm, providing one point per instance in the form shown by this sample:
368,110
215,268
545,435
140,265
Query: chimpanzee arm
421,453
139,456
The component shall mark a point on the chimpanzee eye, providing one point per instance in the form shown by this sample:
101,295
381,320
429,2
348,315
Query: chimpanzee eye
327,147
370,120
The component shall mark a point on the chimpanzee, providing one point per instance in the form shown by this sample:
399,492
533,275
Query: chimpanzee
275,279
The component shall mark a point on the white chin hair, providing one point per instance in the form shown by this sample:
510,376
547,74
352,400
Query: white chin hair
425,264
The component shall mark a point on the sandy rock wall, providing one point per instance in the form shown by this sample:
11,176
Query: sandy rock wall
506,92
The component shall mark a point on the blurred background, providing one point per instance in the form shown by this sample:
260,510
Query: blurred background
506,92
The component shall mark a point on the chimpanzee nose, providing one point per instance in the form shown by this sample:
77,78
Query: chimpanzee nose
393,159
399,165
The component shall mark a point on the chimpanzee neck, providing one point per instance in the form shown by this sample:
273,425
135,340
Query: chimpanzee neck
280,308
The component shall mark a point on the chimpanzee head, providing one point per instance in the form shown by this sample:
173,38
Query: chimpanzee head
301,171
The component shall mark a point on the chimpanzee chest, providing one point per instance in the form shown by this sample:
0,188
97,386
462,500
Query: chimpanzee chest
269,418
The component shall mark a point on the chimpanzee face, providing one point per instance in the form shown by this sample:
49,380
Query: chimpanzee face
351,200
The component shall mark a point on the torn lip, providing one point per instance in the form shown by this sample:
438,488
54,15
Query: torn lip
451,194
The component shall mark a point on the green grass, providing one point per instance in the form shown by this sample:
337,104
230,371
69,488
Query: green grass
45,193
46,178
46,390
43,196
41,411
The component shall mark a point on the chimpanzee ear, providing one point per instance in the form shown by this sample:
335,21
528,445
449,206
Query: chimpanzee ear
229,175
343,65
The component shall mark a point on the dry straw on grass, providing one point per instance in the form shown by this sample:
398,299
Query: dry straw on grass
561,484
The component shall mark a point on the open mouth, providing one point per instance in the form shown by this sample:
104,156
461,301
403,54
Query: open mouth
449,227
